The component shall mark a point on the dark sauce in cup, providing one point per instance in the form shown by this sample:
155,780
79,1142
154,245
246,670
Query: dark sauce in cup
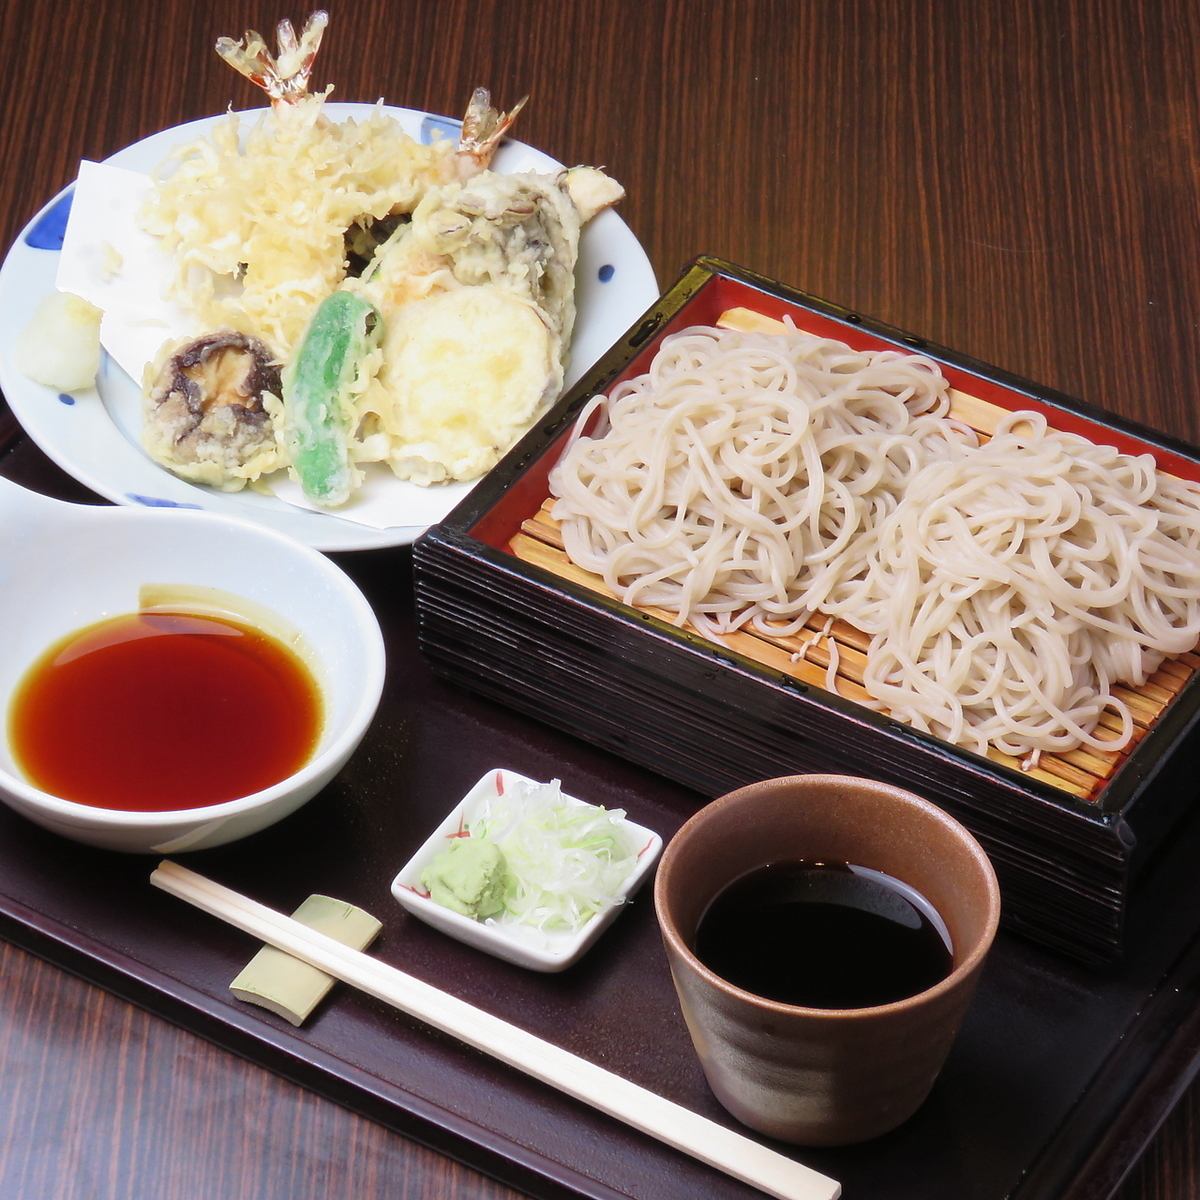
824,935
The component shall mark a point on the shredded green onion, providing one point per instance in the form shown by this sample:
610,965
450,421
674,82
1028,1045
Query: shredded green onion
566,860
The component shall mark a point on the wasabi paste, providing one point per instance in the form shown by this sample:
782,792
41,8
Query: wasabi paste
470,876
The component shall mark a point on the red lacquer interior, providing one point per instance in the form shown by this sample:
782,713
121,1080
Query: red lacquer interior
497,527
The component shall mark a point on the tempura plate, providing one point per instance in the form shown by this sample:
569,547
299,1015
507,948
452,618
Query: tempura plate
95,435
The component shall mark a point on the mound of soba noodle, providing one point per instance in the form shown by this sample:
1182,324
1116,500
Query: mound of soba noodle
763,478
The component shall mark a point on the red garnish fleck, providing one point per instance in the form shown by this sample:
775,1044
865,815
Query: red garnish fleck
645,848
499,783
415,891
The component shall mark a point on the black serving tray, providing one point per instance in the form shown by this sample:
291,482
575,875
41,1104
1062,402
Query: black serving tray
707,717
1057,1081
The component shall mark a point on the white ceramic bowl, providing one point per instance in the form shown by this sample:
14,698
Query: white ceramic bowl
67,566
539,951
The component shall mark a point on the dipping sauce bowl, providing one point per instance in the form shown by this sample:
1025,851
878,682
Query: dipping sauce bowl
67,566
824,1076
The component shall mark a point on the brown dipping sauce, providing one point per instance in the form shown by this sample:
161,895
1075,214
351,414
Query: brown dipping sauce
824,935
155,711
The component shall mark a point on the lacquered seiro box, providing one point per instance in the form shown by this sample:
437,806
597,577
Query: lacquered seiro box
503,611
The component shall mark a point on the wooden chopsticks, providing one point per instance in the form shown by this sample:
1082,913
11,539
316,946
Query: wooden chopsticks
677,1126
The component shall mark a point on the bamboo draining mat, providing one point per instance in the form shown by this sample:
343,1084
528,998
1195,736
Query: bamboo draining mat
1081,773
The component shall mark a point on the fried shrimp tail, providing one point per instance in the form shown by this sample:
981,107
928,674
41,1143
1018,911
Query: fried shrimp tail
483,129
283,76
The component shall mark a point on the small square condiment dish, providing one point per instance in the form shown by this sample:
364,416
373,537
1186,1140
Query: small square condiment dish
538,950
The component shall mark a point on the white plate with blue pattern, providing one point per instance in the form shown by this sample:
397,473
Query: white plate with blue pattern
94,435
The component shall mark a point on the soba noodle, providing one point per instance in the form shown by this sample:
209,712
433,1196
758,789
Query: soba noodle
746,476
762,478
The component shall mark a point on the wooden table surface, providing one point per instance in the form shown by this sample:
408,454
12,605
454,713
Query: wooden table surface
1019,180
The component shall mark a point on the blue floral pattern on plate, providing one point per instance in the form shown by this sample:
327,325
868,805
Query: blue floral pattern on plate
433,128
606,272
158,501
51,226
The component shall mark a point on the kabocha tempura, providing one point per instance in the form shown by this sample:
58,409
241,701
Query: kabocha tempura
371,298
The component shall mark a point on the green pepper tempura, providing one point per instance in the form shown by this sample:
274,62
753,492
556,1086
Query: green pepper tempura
343,331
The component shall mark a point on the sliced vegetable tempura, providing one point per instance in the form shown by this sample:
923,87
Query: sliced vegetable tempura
479,292
469,276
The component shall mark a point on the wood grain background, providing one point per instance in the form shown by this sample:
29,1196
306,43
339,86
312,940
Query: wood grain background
1014,178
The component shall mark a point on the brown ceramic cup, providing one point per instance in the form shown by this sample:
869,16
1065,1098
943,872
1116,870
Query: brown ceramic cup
824,1077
